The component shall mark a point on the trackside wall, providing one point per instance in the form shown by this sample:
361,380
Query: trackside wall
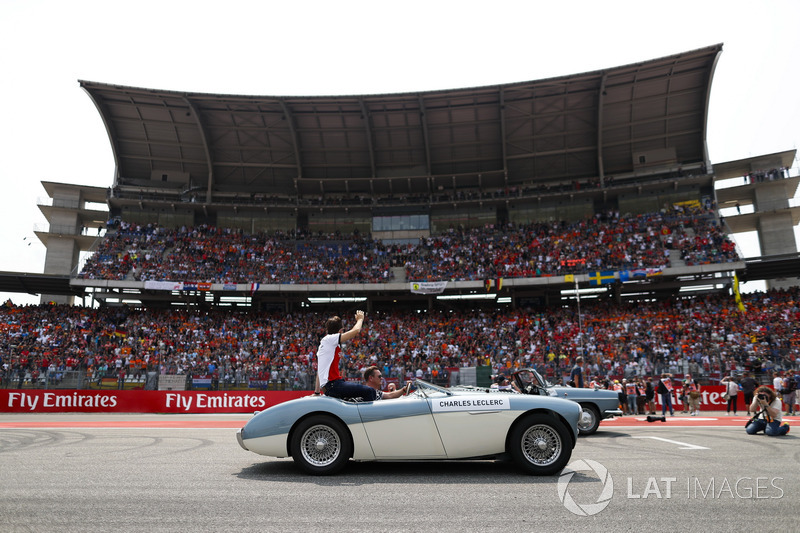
89,401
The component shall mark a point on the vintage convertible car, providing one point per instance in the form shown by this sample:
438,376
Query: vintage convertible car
596,404
321,434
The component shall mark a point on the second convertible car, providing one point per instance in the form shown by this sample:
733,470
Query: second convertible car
596,404
322,434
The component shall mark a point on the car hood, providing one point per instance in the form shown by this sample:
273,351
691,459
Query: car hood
575,392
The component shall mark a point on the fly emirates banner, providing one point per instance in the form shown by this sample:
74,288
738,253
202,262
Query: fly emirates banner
88,401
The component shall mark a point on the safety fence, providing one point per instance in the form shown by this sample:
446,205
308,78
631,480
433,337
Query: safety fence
83,380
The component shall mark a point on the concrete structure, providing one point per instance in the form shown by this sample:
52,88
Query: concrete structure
764,204
628,139
74,227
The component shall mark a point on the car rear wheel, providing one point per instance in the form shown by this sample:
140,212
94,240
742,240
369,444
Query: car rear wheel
321,445
589,420
540,444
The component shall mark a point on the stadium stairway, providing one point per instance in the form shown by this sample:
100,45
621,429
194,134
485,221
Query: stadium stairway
399,273
675,259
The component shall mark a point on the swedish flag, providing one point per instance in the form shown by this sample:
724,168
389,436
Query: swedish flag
601,278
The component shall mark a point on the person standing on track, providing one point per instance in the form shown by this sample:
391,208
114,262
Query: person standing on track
665,390
649,397
748,385
632,396
691,389
576,375
789,391
732,390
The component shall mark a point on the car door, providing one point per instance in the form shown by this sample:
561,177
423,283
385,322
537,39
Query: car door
401,428
473,425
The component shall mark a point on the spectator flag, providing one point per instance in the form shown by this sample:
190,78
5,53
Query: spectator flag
736,295
569,278
253,288
497,283
602,278
428,287
163,285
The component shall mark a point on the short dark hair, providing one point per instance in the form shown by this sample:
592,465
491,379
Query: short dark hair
333,325
369,371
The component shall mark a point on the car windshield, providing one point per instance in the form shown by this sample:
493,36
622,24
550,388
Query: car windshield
429,390
530,376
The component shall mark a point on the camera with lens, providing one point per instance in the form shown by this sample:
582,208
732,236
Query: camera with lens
763,397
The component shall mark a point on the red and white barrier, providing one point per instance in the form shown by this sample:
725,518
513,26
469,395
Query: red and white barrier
132,401
124,401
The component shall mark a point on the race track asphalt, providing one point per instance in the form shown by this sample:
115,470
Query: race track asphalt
187,473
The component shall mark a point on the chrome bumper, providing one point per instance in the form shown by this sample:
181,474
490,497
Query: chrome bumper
608,413
239,439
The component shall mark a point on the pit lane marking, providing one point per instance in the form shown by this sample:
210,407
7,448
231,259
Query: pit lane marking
683,445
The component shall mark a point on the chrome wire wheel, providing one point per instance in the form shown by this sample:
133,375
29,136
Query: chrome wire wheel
541,445
589,420
320,445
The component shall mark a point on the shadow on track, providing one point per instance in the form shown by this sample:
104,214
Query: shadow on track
378,473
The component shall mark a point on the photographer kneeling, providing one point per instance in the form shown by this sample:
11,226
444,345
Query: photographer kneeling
770,414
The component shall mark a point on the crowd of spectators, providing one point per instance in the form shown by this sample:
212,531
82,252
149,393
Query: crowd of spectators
767,175
210,254
605,242
706,334
608,241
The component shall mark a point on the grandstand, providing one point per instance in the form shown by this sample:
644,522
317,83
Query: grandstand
393,171
525,197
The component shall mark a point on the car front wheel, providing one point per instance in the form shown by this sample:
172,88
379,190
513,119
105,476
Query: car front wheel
321,445
540,444
589,420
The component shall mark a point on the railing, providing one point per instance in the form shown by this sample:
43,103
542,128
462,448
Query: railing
57,379
59,202
434,196
114,380
67,229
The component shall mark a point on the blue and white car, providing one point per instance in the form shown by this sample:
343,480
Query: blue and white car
322,434
596,404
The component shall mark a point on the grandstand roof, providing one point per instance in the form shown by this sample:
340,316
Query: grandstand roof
31,283
594,124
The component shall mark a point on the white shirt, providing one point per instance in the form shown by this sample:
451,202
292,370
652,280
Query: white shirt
776,404
328,358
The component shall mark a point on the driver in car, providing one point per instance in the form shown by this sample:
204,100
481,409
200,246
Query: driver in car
372,378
